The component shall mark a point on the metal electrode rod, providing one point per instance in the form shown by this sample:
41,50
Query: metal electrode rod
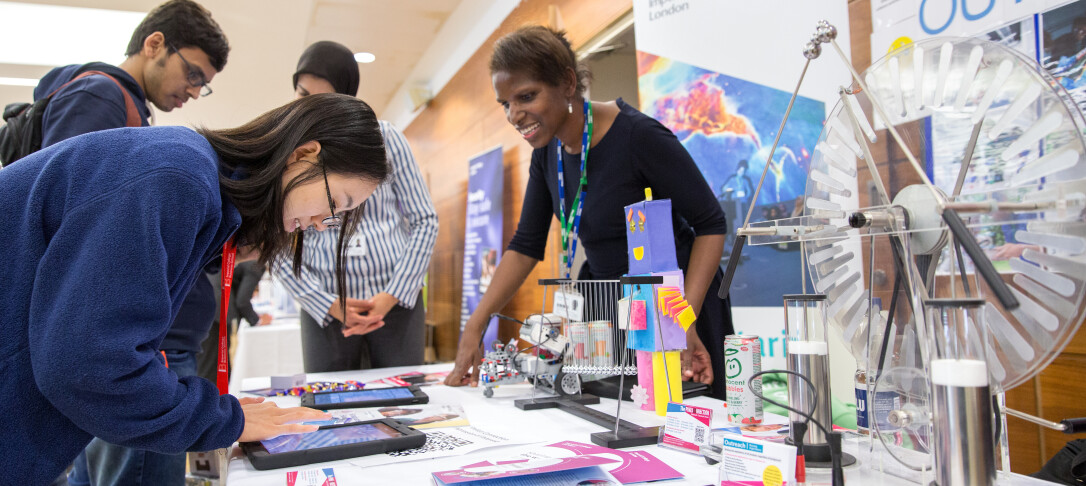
780,130
1036,420
889,125
991,207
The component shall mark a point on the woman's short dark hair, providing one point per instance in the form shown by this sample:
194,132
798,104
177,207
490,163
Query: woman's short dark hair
184,23
254,159
540,52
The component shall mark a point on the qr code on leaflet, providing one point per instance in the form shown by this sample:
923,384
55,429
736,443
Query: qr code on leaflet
435,441
699,435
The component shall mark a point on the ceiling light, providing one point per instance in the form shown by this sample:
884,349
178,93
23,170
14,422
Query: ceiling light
90,34
19,81
364,57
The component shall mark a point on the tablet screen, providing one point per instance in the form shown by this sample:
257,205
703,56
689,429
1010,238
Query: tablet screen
330,437
362,395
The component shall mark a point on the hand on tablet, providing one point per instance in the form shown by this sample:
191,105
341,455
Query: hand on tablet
264,420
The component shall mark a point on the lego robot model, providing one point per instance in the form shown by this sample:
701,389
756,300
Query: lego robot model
540,363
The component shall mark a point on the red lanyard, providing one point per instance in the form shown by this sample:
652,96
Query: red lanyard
229,251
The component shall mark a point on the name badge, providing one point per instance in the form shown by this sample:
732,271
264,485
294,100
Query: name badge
356,247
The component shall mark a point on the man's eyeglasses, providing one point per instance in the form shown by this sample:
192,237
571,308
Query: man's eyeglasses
194,76
333,221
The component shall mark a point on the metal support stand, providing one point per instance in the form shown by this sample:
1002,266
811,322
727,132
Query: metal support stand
625,434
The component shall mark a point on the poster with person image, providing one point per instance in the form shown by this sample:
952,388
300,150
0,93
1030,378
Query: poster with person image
483,233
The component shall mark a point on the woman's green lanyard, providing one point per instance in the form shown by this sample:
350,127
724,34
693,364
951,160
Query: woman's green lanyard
569,230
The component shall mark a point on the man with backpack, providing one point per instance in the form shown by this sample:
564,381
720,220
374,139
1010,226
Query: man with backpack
172,56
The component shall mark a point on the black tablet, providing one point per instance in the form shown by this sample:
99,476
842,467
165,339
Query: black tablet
332,443
369,397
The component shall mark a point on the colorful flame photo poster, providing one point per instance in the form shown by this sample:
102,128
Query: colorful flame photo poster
728,126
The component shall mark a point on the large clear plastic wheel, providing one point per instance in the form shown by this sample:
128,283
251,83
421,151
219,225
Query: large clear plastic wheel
1020,137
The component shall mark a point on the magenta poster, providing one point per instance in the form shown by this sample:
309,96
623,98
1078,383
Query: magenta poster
483,233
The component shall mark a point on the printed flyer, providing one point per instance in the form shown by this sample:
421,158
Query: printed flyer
749,462
633,467
517,468
452,441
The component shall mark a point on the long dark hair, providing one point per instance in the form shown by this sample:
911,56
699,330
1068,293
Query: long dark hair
254,158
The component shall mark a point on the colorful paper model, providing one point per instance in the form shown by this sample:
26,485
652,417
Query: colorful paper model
650,242
672,333
650,238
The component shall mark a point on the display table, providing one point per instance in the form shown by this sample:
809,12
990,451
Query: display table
274,349
498,415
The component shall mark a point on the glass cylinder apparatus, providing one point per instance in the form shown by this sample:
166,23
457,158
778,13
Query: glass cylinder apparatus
961,410
808,355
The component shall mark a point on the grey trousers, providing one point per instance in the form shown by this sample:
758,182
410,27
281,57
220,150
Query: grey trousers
399,343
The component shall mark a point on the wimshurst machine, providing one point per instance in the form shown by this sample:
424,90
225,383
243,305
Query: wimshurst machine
956,332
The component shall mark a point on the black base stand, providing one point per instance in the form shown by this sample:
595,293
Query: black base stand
627,435
818,456
553,402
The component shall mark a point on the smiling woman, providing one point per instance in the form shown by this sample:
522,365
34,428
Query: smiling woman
125,222
616,151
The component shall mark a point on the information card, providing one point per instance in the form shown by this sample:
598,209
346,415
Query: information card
686,427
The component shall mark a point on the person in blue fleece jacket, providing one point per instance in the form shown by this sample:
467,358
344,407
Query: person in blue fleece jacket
172,56
106,233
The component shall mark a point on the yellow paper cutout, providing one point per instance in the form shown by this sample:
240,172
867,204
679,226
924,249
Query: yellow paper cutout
662,381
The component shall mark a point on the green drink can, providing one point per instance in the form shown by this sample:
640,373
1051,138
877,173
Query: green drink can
742,359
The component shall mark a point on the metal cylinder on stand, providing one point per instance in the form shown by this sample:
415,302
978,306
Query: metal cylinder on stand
808,355
964,447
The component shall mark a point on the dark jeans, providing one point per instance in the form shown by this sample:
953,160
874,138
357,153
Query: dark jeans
105,464
399,343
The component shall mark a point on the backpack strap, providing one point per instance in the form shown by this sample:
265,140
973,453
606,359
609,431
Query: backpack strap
132,115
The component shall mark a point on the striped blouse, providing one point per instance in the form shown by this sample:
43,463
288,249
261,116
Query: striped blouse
390,251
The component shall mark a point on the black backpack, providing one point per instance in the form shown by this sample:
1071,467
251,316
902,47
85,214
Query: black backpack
21,135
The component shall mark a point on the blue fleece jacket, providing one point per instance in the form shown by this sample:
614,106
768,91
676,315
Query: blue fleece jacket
87,105
95,103
104,234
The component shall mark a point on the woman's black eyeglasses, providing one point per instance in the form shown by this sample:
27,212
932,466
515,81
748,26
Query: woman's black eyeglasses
333,221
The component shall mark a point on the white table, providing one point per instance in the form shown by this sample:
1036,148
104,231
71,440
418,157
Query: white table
546,426
274,349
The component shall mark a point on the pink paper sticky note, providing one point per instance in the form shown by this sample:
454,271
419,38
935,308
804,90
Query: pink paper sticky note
676,309
637,315
672,302
644,378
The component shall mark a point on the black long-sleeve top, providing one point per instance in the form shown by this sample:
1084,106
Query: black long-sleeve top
635,153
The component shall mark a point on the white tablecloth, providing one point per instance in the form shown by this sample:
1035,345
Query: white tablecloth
275,349
545,426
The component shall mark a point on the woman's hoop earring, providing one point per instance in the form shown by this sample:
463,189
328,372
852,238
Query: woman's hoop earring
569,105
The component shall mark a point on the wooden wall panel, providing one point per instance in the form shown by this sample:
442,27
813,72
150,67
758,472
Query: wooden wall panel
464,120
1061,397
